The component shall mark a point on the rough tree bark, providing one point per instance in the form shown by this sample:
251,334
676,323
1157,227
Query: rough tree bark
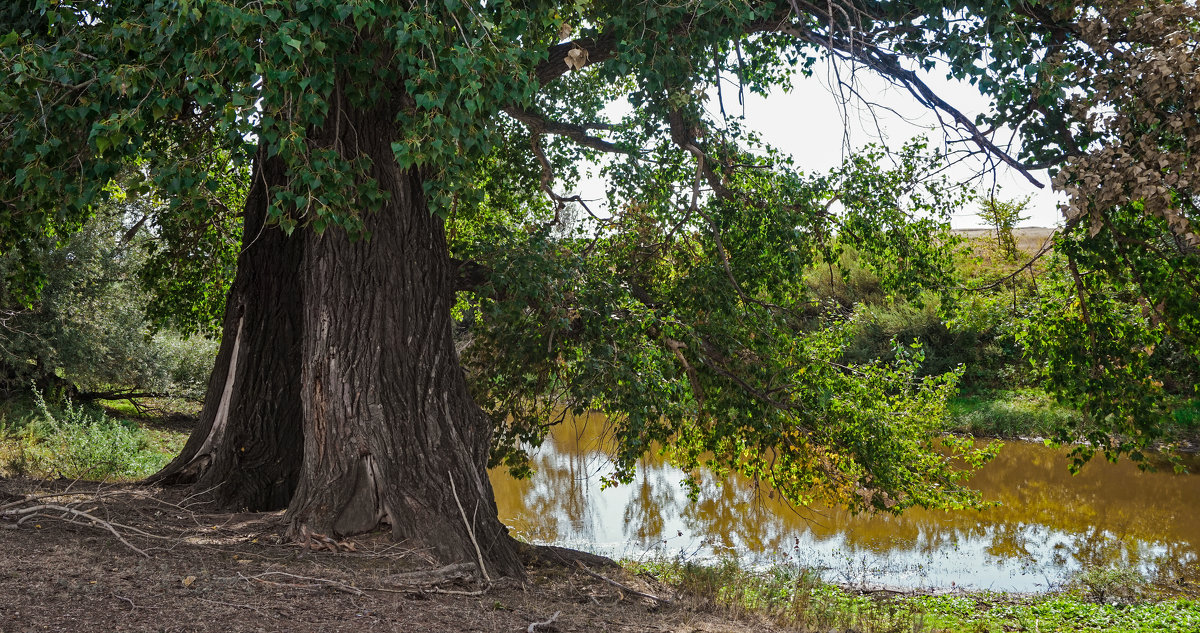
391,433
248,443
345,344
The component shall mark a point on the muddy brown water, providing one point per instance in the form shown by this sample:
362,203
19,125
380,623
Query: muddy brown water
1048,525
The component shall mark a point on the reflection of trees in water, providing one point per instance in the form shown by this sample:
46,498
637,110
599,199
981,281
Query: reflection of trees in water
1107,514
735,515
644,521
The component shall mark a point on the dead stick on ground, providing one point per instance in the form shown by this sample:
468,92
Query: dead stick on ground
132,607
470,530
534,626
321,582
621,586
79,513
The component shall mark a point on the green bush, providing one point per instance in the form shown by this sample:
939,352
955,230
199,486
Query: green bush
1104,585
76,443
87,331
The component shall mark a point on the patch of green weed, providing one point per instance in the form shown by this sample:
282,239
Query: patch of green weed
76,442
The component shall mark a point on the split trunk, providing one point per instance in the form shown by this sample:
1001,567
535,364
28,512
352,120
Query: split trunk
337,390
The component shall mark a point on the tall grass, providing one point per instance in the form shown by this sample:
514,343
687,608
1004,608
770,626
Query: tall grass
74,442
783,595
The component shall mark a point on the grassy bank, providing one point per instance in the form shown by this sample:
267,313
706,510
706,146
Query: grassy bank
86,441
1099,600
1009,414
1030,413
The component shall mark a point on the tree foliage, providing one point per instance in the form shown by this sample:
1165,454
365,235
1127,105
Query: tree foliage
1004,215
88,330
682,312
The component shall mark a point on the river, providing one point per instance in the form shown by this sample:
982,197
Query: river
1048,524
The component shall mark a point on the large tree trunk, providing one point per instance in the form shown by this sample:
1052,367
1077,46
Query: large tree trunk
248,443
391,433
345,346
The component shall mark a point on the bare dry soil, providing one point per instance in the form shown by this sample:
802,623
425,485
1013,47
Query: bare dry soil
85,556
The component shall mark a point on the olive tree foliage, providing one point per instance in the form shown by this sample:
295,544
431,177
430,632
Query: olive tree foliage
681,312
88,331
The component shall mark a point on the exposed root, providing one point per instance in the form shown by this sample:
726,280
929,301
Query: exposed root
319,542
534,554
428,578
622,587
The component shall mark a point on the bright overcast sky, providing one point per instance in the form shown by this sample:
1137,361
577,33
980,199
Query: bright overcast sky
808,122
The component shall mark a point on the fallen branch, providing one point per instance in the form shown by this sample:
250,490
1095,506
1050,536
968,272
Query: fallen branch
622,586
534,626
32,511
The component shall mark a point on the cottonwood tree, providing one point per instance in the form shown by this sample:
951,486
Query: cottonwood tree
408,163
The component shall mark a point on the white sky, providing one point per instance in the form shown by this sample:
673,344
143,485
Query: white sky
809,123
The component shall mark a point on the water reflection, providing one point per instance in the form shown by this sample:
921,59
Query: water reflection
1049,523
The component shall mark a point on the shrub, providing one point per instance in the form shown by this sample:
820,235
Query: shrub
76,443
87,331
1116,584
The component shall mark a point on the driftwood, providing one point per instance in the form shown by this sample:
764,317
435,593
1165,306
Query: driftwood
431,577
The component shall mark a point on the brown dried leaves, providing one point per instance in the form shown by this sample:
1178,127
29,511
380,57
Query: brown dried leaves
1144,104
576,58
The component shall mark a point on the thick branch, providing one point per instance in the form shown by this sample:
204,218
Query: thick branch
577,133
598,49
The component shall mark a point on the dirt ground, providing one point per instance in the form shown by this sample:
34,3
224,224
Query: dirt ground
202,570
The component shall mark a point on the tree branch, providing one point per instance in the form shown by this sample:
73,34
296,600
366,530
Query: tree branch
575,132
888,65
598,49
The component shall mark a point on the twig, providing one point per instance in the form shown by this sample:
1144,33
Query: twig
321,582
457,592
534,626
618,585
470,530
240,606
30,511
132,606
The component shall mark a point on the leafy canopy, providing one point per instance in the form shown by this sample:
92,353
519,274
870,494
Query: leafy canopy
680,312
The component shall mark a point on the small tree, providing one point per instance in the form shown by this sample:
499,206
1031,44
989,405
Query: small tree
1004,216
88,332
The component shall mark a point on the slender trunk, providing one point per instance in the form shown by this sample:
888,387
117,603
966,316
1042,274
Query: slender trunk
391,433
248,443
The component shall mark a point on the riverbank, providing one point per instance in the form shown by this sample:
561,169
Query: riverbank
1030,414
1097,600
120,557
